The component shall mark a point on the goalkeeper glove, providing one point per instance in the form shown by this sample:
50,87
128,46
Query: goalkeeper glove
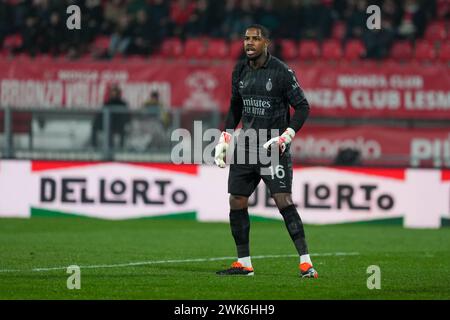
221,149
282,141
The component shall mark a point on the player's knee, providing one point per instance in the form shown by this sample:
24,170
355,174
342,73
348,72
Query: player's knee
283,200
238,202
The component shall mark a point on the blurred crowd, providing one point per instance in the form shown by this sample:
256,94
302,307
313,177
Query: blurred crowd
139,26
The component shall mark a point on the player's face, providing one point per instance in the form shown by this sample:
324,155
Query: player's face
254,43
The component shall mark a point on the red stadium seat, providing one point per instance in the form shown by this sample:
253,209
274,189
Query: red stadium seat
86,57
171,48
331,50
369,63
3,53
236,49
23,57
308,49
354,50
100,45
194,48
288,49
43,58
135,58
444,52
436,31
13,41
217,49
424,51
401,50
442,8
102,42
339,29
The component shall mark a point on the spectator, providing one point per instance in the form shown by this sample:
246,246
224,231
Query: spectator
42,10
291,24
439,9
154,105
30,36
134,6
269,17
119,118
257,10
181,13
94,18
145,36
241,17
391,12
379,42
112,11
78,39
55,35
5,20
139,26
20,11
348,157
356,23
216,17
340,7
159,15
316,20
159,120
200,23
231,16
121,38
413,20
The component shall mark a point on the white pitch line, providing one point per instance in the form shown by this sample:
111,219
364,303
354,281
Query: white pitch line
141,263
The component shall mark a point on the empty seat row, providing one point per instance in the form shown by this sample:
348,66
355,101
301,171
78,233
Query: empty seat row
435,31
423,50
332,49
200,48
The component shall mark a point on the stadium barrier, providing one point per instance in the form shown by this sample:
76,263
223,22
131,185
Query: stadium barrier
324,195
389,91
106,134
58,134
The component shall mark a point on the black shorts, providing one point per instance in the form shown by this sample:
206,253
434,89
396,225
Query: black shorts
244,178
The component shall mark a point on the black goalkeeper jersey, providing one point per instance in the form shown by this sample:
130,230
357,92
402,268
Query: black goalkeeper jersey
261,99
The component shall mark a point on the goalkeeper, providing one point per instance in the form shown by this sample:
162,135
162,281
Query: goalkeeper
263,88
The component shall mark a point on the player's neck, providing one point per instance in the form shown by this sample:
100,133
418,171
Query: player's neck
260,61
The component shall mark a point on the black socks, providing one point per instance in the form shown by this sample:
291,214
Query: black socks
240,229
295,228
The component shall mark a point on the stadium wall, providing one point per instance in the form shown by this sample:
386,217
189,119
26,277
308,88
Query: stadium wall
324,195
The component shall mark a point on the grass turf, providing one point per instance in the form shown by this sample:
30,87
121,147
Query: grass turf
415,264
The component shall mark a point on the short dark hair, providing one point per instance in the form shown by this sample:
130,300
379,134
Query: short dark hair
264,30
155,94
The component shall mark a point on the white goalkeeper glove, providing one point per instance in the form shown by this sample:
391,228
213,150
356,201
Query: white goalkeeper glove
221,149
282,141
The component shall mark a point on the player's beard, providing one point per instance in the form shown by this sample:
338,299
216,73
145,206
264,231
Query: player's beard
254,58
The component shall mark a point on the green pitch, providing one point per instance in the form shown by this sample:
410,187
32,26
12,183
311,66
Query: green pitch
415,264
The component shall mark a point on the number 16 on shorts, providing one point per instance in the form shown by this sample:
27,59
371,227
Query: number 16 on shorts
277,171
278,177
